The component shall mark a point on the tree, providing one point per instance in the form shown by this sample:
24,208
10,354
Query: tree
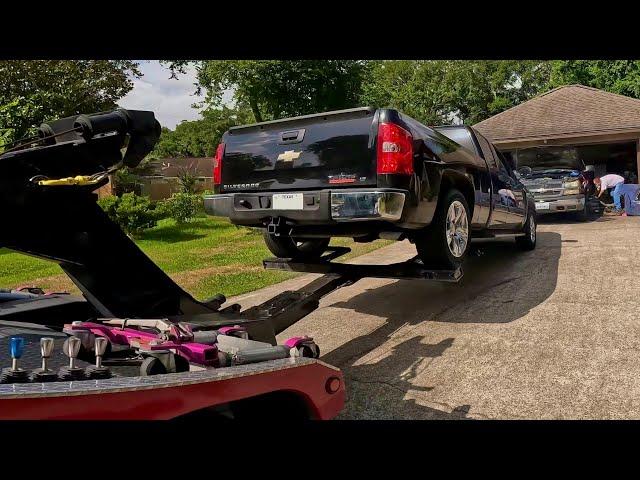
274,89
441,91
409,86
187,176
41,90
616,76
7,114
199,138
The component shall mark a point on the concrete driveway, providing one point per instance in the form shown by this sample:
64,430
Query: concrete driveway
548,334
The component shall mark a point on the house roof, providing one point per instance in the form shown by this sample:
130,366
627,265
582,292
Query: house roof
564,112
171,167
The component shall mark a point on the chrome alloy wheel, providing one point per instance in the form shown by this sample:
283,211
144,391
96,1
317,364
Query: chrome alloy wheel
532,228
457,229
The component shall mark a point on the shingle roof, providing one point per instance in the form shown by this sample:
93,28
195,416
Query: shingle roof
563,111
171,167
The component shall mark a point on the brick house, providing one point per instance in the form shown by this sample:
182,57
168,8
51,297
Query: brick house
163,180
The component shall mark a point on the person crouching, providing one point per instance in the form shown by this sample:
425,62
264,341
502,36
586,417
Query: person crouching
612,183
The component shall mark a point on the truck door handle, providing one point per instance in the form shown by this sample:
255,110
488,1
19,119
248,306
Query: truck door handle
291,136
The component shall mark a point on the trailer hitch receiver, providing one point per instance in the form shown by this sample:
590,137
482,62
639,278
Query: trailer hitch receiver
278,226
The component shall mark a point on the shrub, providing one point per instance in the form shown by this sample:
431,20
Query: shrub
187,179
133,213
109,205
182,207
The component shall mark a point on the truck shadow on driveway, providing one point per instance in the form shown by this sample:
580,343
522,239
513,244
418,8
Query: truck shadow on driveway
568,219
500,285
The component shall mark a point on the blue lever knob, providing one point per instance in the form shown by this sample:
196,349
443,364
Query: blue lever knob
16,347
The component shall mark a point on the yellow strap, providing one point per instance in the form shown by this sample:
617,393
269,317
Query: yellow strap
78,180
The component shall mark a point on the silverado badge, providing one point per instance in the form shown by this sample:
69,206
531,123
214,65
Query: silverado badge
289,156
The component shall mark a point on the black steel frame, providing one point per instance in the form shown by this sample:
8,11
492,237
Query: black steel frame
65,224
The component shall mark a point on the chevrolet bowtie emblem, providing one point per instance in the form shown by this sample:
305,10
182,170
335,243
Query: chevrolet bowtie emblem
289,156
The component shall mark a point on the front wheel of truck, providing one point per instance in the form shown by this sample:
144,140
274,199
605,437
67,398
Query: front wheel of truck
528,241
286,247
444,244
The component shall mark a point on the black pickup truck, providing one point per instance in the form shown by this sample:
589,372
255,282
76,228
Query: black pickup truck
368,173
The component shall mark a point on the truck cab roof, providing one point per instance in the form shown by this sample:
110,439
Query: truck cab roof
461,134
363,110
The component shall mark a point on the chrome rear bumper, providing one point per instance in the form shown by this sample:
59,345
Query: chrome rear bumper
374,205
317,207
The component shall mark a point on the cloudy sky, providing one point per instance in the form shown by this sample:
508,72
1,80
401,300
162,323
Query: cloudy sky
170,99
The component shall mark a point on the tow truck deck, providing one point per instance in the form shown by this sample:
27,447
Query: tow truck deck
60,220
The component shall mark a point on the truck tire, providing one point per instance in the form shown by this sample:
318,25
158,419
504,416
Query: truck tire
583,215
445,243
528,241
286,247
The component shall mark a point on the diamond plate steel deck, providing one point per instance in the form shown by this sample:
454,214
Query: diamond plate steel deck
31,359
122,384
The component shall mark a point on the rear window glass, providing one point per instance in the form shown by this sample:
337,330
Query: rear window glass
459,135
486,150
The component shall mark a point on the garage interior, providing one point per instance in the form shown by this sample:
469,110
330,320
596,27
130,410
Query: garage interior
619,158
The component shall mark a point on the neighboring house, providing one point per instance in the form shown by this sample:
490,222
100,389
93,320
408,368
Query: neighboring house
164,179
105,190
600,128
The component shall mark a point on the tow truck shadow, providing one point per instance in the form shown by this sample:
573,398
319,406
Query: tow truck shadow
501,285
171,235
379,389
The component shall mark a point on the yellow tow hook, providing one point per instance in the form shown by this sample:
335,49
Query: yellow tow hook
77,180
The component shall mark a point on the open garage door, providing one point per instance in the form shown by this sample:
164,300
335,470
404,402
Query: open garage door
620,158
617,158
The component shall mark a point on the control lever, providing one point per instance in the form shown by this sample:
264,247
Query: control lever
15,374
71,349
97,371
44,373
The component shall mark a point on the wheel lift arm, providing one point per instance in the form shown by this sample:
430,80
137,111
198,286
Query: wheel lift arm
49,211
62,222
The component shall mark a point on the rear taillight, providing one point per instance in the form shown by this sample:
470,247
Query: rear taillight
217,165
395,150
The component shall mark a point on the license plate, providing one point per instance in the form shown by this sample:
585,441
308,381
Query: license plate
542,206
288,201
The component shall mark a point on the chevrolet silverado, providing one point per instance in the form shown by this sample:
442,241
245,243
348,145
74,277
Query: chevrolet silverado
557,178
368,173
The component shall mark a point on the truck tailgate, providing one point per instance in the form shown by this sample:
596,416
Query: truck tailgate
333,149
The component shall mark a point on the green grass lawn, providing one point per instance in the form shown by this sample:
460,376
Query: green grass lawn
206,256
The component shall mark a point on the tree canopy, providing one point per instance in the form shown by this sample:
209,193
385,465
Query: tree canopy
281,88
616,76
199,138
440,91
432,91
34,91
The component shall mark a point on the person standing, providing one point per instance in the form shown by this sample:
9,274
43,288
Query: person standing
613,183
